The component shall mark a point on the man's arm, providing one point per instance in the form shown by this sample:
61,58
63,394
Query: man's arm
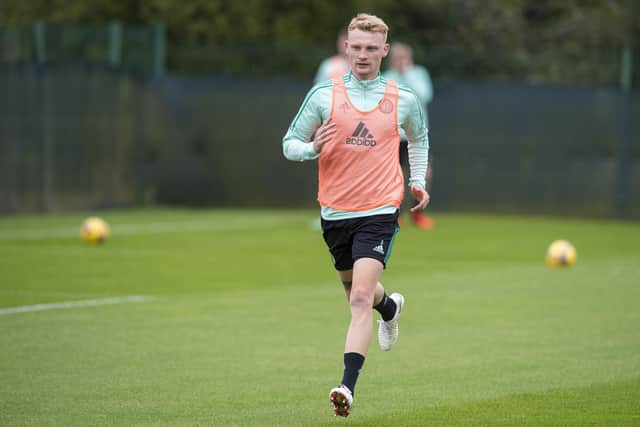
418,149
418,141
312,114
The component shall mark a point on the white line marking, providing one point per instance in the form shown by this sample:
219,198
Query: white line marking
74,304
229,224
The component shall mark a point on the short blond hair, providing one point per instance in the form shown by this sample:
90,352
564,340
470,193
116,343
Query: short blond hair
371,23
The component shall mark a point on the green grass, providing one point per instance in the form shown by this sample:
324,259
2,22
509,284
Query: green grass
247,323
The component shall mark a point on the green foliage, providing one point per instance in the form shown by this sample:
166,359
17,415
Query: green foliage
530,40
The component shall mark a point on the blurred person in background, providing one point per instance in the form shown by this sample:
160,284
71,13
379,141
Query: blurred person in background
335,66
405,72
355,120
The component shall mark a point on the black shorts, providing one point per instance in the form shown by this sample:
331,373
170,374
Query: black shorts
366,237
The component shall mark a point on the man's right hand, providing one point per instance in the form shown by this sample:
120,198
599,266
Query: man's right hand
324,134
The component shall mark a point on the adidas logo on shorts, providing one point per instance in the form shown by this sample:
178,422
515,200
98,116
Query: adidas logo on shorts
379,248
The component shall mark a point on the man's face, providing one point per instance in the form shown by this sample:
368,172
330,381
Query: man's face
400,60
365,51
341,44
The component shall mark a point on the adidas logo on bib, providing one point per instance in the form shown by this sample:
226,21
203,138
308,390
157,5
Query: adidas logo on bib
361,136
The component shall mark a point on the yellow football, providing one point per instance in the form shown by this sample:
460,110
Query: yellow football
94,230
561,253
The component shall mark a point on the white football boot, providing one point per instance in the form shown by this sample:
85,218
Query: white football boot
388,331
341,399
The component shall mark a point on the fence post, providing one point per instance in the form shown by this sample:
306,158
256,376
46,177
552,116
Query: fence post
39,39
159,50
624,160
115,44
47,137
113,142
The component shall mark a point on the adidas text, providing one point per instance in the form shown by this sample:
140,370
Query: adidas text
361,141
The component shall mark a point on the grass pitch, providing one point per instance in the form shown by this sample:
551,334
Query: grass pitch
244,323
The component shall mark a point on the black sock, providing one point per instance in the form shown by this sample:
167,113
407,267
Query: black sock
386,308
352,364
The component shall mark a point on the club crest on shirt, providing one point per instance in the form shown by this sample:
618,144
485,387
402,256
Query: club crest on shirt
344,107
386,106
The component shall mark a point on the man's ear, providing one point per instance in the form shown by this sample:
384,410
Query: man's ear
385,50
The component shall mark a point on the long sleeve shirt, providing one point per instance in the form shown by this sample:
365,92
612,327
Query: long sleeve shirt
365,95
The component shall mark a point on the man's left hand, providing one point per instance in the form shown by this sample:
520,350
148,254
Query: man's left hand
422,196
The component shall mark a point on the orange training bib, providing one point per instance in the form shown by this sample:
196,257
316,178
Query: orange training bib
359,169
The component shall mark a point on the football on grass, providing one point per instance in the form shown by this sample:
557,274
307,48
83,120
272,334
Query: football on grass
561,253
94,230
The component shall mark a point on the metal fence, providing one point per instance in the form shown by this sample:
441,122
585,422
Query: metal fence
147,51
536,149
69,138
89,137
136,50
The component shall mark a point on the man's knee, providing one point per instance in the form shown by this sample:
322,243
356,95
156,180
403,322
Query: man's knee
360,298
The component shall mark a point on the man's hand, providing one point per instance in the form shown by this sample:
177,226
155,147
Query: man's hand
324,134
421,196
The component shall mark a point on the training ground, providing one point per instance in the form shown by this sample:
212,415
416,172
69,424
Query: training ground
236,318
